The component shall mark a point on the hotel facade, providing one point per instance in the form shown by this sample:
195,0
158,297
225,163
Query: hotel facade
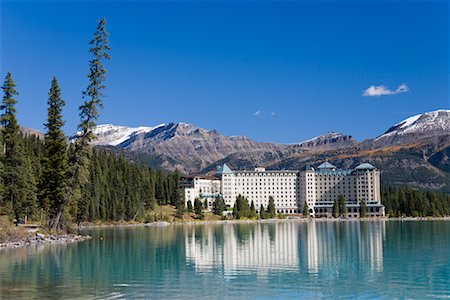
291,189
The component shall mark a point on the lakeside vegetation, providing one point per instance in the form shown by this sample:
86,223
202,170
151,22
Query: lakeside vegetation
409,202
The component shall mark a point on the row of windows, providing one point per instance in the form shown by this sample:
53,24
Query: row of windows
256,174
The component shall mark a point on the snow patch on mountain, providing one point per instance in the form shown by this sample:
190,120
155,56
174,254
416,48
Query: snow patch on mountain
112,135
429,122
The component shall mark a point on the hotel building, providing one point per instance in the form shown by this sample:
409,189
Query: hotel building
318,187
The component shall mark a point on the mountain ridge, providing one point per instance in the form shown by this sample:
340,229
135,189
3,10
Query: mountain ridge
414,151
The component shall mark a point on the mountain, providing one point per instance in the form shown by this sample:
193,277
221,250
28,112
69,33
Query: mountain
191,149
111,135
321,143
421,126
328,141
180,146
414,151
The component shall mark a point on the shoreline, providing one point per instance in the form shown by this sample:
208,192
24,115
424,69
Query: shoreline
292,220
42,239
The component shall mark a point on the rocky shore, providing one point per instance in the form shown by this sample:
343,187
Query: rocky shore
42,239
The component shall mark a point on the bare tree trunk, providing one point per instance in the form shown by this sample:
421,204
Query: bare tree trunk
138,211
55,224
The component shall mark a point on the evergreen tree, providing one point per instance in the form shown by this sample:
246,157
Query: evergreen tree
19,194
241,208
89,112
342,206
198,208
189,206
271,207
55,162
2,169
179,201
262,212
235,210
219,206
335,209
93,95
305,209
362,209
252,209
27,208
180,212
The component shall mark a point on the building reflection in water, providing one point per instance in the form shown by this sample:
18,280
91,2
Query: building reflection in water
285,246
330,245
243,248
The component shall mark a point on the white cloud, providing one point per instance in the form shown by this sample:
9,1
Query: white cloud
257,113
381,90
273,113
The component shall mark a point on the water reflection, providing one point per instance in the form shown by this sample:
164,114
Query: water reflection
263,247
260,248
290,260
349,243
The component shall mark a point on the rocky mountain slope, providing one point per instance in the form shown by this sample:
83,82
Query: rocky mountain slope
328,141
180,146
429,124
191,149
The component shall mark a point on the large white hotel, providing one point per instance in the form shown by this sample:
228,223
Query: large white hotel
318,187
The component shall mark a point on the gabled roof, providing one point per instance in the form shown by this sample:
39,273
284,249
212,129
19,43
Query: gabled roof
224,169
326,165
365,166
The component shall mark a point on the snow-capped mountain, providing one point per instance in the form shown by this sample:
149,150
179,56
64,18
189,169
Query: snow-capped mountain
429,124
191,149
181,146
112,135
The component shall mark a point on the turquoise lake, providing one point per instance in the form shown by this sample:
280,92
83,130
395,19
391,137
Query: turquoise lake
280,260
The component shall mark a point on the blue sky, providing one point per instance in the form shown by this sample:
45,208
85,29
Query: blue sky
273,71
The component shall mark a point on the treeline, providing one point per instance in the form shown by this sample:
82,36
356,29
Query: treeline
117,189
58,183
408,202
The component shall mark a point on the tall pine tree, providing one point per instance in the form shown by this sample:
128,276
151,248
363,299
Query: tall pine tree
93,95
342,206
89,112
56,167
271,207
335,210
19,195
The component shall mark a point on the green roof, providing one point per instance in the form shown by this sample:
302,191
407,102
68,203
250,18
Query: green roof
365,166
224,169
326,165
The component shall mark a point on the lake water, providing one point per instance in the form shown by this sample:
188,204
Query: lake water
283,260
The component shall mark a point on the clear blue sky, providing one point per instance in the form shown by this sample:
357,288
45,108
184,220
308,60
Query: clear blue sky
302,65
